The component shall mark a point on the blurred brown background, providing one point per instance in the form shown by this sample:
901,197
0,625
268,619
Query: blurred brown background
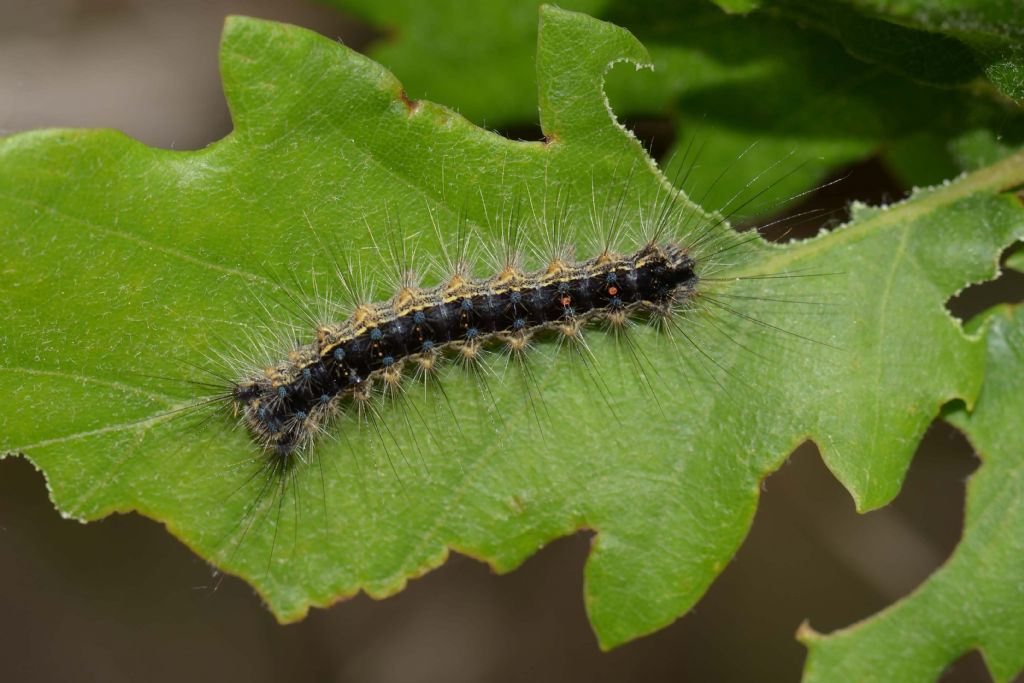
121,600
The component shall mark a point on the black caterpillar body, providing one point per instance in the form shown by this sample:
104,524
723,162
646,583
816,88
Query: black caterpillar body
288,404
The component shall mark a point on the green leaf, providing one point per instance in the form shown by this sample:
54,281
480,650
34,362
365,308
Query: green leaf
825,81
973,601
125,265
1016,261
738,6
919,55
481,54
993,30
978,148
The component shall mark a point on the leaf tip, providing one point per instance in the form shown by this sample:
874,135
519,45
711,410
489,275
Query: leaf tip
574,53
806,634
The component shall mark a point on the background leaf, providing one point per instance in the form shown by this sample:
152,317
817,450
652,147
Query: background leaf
830,82
991,29
1016,261
152,257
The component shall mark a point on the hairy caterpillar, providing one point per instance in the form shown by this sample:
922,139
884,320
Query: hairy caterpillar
289,402
507,291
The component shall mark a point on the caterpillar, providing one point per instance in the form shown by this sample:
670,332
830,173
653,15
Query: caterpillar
504,290
289,403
